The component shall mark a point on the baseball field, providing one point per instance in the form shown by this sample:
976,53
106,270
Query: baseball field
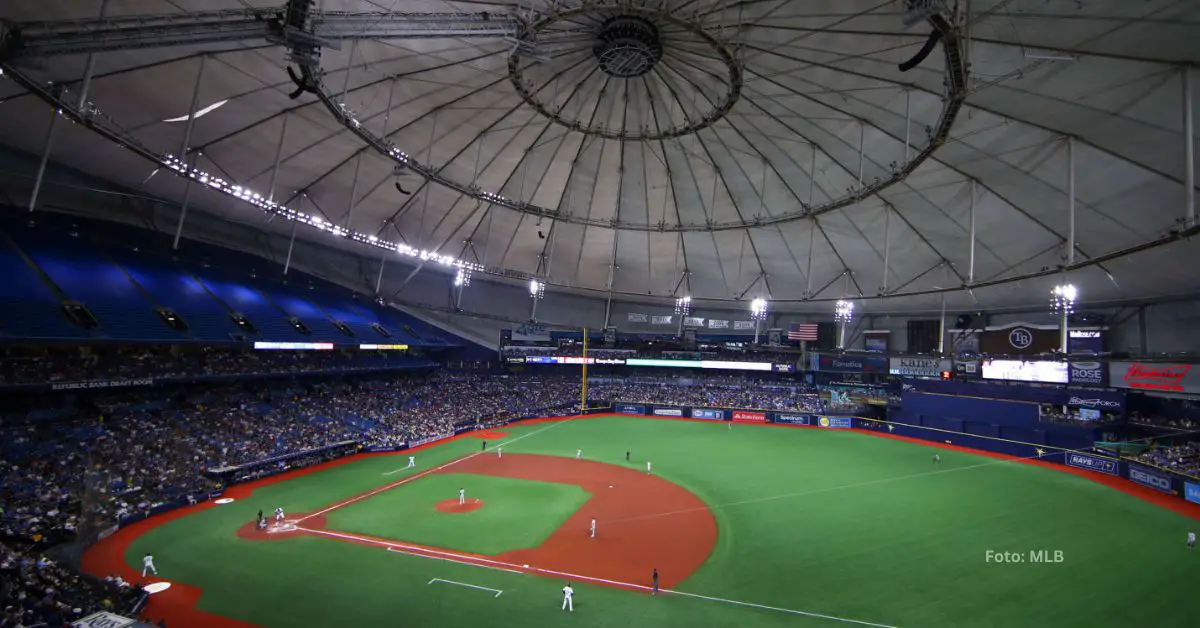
749,526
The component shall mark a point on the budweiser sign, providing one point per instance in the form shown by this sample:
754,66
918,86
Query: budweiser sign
1157,376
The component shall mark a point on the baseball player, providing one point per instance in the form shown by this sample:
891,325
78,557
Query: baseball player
593,528
568,593
279,514
484,446
937,459
649,467
654,579
412,461
578,454
499,452
1192,540
462,496
148,565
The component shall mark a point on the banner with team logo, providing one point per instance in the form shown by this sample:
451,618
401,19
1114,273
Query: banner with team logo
668,412
708,413
793,419
626,408
1192,492
836,422
1093,463
1149,477
745,416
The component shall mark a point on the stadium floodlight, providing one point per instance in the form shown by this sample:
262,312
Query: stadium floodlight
1062,302
537,289
758,309
463,278
843,311
1062,298
683,306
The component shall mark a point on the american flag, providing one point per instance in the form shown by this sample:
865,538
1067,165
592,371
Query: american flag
803,331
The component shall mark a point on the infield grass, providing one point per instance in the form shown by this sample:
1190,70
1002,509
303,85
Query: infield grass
825,521
516,514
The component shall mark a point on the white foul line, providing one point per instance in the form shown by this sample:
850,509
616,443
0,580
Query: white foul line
420,475
460,562
463,584
487,563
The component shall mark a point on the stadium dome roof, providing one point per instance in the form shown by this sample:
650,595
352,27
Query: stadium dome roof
726,150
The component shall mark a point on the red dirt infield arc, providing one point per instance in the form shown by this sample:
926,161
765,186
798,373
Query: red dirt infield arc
446,505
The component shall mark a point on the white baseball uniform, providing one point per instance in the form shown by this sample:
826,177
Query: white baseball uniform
578,454
1191,539
568,593
648,467
148,565
462,496
593,528
412,461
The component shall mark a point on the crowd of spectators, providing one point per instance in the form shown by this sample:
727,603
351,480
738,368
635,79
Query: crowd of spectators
1182,458
571,349
36,591
42,365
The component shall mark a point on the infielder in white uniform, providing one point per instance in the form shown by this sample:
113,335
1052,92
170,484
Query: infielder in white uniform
279,514
148,565
462,496
1192,540
648,467
499,452
593,528
568,593
412,461
578,454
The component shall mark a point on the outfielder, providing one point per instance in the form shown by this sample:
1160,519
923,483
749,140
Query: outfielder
412,461
1192,540
568,593
937,459
148,565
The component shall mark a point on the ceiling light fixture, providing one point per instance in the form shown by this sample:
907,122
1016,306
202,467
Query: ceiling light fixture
205,111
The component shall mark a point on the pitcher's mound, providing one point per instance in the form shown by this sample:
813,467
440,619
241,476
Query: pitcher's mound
452,505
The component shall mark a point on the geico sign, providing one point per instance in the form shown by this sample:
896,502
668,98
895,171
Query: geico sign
1149,479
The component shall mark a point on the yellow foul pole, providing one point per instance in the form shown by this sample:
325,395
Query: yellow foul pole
583,404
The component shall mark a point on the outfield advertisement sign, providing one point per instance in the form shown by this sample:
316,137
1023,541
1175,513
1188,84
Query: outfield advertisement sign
848,364
793,419
104,383
1192,492
836,422
1149,477
708,413
1093,463
625,408
918,367
668,412
1088,373
745,416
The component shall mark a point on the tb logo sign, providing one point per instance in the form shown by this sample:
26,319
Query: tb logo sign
1020,338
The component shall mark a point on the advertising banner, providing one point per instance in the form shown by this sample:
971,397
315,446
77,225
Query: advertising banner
103,620
1045,372
1149,477
668,412
1192,492
836,422
625,408
106,383
745,416
515,359
635,317
966,369
708,413
1091,373
662,320
1183,378
1093,463
1106,402
918,367
793,419
848,364
743,325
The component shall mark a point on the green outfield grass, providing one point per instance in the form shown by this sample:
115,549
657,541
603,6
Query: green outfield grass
823,521
517,514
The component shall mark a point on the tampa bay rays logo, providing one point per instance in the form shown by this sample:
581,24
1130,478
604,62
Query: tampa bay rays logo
1020,338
